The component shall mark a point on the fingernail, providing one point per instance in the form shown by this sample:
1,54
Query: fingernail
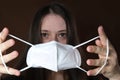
88,73
89,49
17,73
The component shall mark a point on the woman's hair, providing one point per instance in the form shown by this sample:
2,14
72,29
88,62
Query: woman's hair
58,9
35,38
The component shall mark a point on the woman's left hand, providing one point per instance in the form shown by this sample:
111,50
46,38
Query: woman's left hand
112,68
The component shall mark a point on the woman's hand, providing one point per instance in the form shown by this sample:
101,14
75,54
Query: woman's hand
112,68
4,45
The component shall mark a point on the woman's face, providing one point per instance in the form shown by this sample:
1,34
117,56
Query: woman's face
53,28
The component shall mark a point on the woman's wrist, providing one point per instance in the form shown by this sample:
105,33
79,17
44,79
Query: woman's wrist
116,75
0,76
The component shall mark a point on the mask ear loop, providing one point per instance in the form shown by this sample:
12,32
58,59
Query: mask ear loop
85,42
82,45
106,58
20,39
3,62
25,43
107,54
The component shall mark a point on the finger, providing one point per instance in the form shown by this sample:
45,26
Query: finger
102,35
10,56
95,62
7,44
3,34
98,43
93,72
11,70
96,49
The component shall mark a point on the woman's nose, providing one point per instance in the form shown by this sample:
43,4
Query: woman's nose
54,37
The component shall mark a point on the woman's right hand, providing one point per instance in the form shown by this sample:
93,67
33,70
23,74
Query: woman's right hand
4,45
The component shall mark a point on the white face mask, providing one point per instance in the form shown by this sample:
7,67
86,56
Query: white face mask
55,56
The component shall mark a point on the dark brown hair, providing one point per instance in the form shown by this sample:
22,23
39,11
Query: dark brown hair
35,38
58,9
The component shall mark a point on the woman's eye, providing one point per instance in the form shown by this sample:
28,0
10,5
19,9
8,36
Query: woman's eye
44,35
62,35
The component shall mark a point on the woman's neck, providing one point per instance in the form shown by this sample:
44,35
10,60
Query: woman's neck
58,76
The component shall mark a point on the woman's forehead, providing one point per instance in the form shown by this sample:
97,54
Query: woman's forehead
53,21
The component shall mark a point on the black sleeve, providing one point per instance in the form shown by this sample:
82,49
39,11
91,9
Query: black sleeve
97,78
12,78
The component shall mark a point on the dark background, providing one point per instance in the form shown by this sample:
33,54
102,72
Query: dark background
17,15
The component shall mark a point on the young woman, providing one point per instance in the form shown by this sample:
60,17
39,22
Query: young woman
54,23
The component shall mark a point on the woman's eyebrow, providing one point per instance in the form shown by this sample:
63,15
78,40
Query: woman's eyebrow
62,31
44,31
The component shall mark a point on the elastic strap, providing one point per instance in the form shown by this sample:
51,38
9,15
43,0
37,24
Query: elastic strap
81,69
85,42
82,45
25,43
106,58
3,62
25,68
20,39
